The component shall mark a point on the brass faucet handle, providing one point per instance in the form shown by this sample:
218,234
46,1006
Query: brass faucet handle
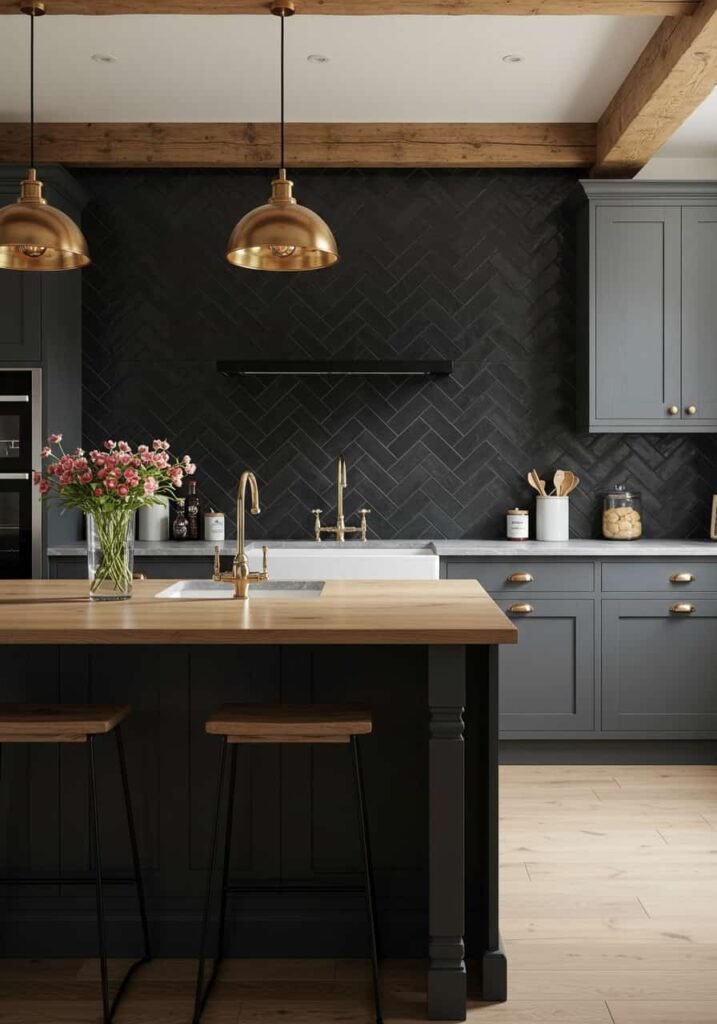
216,574
264,562
363,512
316,513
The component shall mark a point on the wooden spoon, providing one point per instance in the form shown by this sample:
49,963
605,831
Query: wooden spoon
560,482
573,482
535,481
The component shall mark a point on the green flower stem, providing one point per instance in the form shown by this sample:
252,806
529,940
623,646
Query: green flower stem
112,528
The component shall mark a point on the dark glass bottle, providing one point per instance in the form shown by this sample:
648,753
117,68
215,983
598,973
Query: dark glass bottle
180,526
193,511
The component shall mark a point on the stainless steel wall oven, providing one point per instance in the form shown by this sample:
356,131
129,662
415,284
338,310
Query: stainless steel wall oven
20,441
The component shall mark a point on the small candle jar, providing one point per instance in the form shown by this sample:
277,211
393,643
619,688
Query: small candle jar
214,526
516,524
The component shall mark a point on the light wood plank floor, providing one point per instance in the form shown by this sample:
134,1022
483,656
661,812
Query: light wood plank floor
609,916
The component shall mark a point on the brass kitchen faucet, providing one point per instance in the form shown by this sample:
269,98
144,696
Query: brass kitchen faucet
240,574
341,529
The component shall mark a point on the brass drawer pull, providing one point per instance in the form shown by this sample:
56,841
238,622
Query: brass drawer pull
521,609
682,609
673,410
682,577
520,577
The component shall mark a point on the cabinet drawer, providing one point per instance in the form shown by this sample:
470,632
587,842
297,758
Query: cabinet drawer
658,665
525,575
674,577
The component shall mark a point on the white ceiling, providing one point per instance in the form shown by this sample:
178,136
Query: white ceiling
189,68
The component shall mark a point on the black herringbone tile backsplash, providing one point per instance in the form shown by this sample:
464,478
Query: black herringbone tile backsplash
475,266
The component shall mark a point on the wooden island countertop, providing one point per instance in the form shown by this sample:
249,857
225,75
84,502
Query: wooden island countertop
414,612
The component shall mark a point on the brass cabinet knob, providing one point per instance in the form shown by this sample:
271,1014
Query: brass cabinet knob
691,410
521,609
520,577
673,410
138,576
682,577
682,609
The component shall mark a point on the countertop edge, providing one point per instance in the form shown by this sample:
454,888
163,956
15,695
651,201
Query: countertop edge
576,548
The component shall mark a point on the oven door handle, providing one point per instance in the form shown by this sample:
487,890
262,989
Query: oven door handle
14,476
14,398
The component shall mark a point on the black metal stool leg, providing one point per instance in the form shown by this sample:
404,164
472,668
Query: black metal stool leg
227,855
202,993
368,872
139,886
95,836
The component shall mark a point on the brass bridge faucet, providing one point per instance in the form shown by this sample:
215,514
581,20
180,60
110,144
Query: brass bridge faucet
341,529
240,574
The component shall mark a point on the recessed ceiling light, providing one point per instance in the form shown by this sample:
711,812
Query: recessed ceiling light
104,58
513,58
318,58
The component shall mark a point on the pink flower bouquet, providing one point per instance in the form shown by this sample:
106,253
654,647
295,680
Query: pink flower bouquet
109,486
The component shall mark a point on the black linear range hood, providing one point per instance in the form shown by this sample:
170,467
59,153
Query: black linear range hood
333,367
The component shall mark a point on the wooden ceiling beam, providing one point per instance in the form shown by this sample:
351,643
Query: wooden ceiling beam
661,8
676,71
307,145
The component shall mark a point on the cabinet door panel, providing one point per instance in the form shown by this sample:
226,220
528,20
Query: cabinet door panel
21,320
547,680
699,313
636,313
659,667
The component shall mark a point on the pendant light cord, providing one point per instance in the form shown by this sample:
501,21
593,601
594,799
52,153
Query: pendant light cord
32,89
281,86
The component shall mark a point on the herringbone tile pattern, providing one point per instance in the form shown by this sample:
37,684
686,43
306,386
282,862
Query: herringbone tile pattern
477,266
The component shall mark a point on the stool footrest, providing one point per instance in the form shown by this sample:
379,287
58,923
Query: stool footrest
69,880
295,887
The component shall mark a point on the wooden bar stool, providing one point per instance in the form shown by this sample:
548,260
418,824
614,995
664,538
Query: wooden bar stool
80,723
281,723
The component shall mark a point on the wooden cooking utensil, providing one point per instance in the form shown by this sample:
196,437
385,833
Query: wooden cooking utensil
572,484
535,482
560,482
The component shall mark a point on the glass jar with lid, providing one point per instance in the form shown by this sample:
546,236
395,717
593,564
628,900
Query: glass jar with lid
622,514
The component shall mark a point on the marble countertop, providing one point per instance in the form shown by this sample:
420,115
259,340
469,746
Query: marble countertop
578,548
445,548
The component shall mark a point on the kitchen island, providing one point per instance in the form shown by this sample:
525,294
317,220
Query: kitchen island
421,654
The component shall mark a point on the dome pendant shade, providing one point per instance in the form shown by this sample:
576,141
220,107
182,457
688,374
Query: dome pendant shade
281,235
37,236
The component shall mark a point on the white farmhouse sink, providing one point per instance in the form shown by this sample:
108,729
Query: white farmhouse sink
207,590
321,562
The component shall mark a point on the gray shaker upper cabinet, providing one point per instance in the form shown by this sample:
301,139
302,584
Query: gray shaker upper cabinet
699,314
648,307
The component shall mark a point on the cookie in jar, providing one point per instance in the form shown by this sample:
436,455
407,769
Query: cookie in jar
622,514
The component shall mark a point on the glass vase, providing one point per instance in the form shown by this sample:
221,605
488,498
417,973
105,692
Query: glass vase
110,555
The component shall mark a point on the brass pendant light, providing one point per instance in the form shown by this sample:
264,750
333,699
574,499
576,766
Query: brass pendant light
281,235
33,234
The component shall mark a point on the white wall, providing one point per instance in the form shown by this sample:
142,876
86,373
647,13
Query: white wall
662,168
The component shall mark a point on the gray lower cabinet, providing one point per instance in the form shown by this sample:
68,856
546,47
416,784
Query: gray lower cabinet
659,666
547,681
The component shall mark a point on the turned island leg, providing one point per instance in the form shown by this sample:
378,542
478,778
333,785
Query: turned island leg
446,951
